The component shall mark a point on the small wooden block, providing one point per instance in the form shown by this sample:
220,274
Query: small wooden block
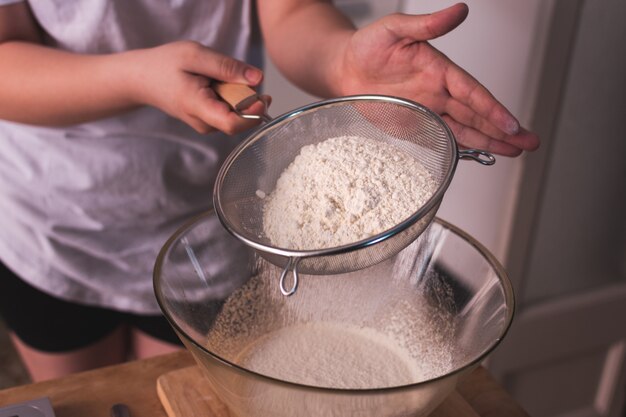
185,393
239,96
454,406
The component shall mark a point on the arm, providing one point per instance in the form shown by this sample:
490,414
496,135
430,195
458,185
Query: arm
307,39
319,50
45,86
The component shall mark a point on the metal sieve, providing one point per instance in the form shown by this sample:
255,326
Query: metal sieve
260,159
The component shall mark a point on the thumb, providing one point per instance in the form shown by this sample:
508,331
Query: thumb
209,63
427,26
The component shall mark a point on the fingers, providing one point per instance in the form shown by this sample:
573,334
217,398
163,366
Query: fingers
467,90
426,27
175,78
511,145
473,131
267,99
206,112
198,59
463,115
525,140
471,138
468,117
202,108
216,113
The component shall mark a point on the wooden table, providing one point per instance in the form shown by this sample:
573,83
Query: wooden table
92,393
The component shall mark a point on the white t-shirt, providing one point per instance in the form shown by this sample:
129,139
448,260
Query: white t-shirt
85,209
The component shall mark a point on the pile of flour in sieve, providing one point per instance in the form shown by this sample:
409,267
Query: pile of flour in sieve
343,190
331,355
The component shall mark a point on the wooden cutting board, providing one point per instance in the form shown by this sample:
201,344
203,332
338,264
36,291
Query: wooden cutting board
183,393
92,393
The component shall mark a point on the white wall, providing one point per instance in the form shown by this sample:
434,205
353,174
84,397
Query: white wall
500,44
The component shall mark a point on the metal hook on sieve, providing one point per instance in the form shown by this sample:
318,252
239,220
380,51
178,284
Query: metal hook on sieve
292,265
265,118
240,97
482,157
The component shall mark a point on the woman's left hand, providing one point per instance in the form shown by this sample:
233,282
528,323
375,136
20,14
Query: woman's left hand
392,56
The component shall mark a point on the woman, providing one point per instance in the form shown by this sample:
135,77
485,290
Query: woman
111,136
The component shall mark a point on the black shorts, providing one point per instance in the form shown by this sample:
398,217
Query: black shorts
49,324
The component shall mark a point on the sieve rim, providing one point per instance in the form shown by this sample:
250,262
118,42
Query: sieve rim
257,134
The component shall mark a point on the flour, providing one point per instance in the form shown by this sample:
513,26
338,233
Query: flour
331,355
365,330
343,190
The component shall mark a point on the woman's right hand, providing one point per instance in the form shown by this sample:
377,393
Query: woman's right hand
176,78
46,86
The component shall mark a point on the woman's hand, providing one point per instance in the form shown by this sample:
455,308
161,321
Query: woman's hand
392,56
46,86
176,78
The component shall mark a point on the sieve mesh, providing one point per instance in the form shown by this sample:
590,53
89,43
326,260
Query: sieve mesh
260,160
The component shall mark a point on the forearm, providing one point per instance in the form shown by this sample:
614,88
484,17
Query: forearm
306,41
45,86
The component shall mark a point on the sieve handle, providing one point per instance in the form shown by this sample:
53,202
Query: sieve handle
240,97
482,157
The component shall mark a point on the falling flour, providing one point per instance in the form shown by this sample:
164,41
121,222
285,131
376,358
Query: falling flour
358,332
343,190
349,357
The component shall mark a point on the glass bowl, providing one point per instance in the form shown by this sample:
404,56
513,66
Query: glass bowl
387,341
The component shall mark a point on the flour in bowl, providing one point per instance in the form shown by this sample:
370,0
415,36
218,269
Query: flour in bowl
331,355
343,190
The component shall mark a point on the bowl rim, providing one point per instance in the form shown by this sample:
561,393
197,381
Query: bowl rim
501,273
